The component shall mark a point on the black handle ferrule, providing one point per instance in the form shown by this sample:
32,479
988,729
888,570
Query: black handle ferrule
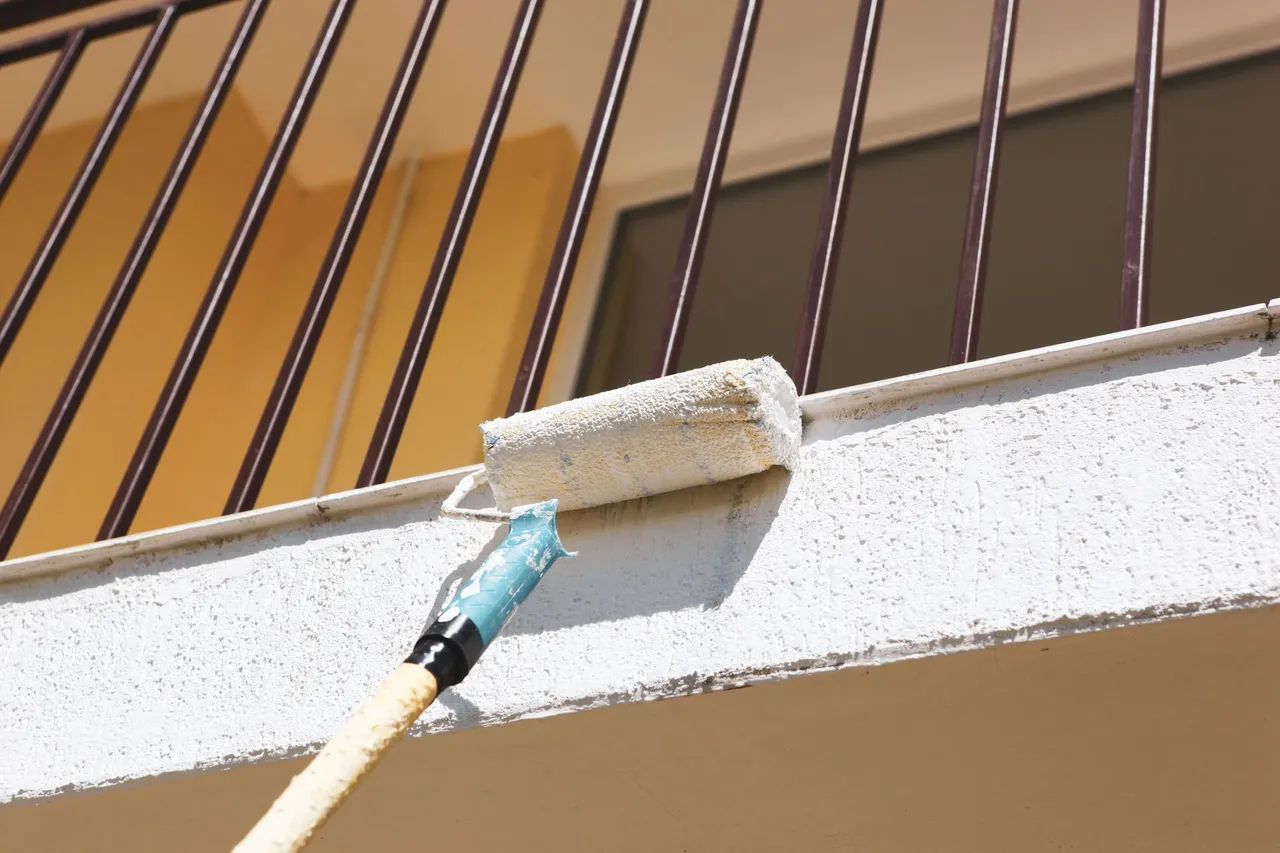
448,650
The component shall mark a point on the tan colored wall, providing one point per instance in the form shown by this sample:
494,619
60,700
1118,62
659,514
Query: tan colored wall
492,302
482,333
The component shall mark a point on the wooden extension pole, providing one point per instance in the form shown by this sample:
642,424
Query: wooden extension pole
319,789
441,658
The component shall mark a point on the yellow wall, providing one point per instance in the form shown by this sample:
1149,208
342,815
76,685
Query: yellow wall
482,333
468,375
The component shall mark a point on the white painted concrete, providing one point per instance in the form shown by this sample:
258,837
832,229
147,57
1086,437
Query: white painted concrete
1125,479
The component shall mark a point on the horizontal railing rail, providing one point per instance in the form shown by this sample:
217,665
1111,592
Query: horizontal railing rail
158,20
20,13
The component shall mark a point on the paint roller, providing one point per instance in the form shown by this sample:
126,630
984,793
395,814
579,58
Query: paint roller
703,426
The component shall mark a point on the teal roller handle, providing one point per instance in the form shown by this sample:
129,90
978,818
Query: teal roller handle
490,596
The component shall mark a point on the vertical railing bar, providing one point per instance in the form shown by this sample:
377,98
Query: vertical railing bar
715,150
977,230
564,258
284,393
835,203
1134,282
435,290
76,385
38,113
60,228
128,497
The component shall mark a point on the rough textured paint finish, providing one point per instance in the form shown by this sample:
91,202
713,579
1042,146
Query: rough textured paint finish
703,426
1140,486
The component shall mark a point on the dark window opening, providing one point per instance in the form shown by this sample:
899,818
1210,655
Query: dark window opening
1055,263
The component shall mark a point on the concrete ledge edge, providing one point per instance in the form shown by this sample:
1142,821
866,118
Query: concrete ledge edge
842,402
837,403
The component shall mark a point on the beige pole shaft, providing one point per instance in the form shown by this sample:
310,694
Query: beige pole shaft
317,791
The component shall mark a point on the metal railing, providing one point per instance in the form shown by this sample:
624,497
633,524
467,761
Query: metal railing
159,21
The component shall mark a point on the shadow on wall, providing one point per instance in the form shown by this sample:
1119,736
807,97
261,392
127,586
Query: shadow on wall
601,583
607,580
614,574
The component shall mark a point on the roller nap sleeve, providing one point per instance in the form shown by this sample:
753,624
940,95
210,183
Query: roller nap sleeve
703,426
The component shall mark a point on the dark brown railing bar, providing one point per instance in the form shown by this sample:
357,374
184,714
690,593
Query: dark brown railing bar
1142,164
102,27
275,415
835,203
128,497
422,330
19,13
43,104
555,288
977,230
56,236
76,385
715,150
49,42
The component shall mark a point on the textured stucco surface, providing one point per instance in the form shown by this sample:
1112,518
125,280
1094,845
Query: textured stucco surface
1134,488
